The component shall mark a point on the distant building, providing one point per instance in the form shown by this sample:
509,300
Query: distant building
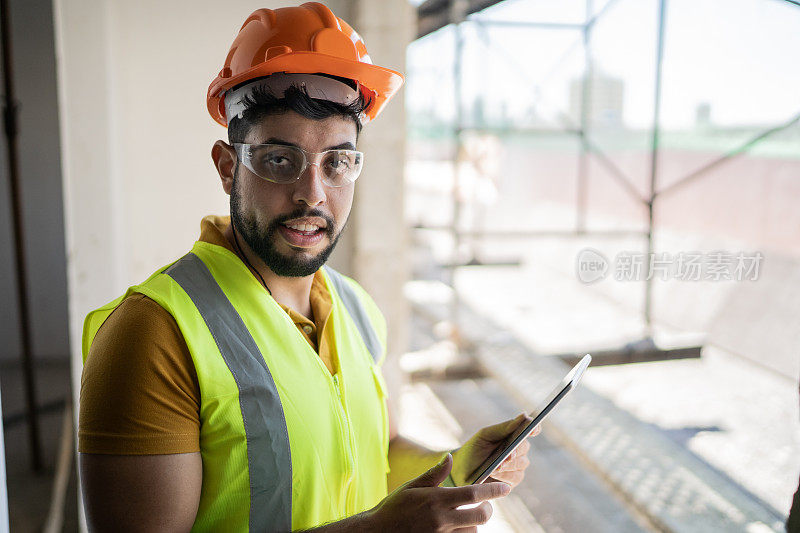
605,101
702,115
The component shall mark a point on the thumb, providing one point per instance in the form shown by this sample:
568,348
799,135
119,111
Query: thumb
500,431
435,475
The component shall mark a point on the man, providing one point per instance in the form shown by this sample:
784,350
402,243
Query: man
239,388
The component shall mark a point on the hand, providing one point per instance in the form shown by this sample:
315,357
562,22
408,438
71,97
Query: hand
421,505
472,454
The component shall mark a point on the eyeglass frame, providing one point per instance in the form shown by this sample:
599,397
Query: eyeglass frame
306,162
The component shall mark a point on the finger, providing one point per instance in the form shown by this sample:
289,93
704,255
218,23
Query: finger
472,517
457,496
511,478
513,455
434,476
536,431
523,448
521,451
471,529
517,466
518,463
500,431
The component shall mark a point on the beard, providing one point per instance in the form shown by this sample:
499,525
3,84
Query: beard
262,240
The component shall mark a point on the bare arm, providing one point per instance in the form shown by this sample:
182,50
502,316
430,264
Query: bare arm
141,492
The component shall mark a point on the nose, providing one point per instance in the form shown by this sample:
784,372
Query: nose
309,189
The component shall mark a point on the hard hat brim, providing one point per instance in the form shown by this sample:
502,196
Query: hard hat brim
382,82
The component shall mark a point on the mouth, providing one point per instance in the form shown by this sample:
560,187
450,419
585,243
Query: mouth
303,232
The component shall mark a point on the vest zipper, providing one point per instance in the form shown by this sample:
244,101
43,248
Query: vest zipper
344,423
347,439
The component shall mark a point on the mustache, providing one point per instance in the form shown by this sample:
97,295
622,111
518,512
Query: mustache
301,213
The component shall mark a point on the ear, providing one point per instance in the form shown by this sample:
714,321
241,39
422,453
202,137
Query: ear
224,157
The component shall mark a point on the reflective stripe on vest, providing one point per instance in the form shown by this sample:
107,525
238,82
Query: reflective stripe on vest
268,456
359,315
270,473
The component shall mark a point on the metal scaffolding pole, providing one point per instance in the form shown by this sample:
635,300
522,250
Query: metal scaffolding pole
437,13
10,124
458,13
739,150
583,158
648,289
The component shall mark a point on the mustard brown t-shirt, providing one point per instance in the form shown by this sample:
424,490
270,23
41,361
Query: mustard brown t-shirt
139,389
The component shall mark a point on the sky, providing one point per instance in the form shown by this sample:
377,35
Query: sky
739,56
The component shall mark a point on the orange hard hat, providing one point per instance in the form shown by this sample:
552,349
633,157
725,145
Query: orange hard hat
308,39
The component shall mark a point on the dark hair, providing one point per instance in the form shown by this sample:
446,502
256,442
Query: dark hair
262,103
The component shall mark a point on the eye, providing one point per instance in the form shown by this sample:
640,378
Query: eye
276,160
340,163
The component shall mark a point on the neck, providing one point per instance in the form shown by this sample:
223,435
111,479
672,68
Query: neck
289,291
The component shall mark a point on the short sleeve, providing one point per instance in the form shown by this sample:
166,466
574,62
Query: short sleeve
139,389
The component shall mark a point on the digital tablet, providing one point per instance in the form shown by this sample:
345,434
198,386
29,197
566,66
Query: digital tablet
505,448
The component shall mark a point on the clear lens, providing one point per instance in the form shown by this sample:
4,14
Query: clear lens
285,164
340,167
281,164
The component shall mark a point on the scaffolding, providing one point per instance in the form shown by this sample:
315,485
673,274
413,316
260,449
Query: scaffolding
436,14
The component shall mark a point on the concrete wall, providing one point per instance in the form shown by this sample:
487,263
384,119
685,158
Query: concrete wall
375,248
40,183
380,252
137,137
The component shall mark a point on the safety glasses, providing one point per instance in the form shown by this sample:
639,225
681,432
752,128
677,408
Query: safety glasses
285,164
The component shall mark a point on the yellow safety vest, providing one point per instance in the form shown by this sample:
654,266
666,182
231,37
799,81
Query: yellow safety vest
285,444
